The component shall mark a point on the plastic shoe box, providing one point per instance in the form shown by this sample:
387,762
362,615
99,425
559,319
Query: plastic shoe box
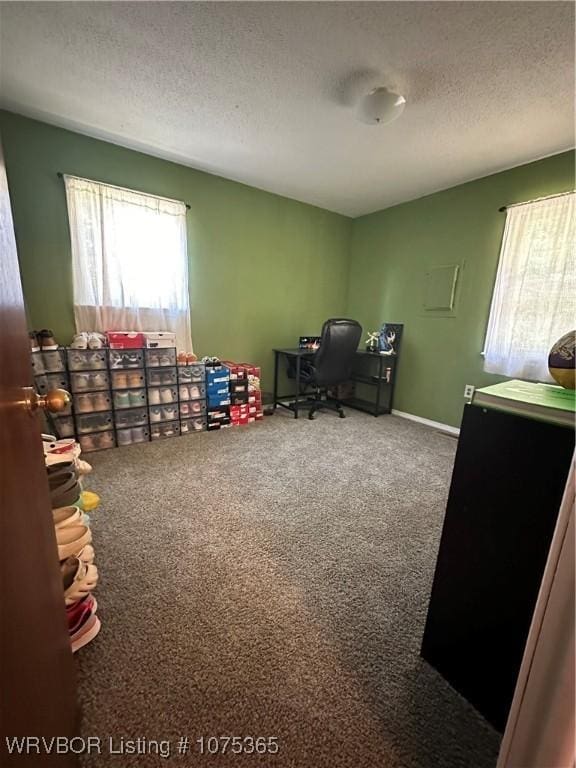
97,442
88,382
51,381
160,339
162,395
160,413
126,358
64,426
192,408
129,398
189,426
133,435
51,360
161,376
128,379
92,402
159,358
94,422
86,359
192,373
192,391
132,417
161,431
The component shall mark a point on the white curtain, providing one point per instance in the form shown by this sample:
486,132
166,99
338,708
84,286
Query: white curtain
129,259
534,300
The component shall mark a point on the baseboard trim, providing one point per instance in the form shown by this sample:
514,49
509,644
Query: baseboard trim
455,431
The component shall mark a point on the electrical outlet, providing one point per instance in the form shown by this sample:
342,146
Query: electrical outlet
469,391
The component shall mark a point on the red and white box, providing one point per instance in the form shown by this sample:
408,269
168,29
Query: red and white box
125,339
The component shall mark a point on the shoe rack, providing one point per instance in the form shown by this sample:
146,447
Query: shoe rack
50,372
92,398
123,396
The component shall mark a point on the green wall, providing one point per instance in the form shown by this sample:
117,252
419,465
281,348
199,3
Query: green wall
264,269
391,251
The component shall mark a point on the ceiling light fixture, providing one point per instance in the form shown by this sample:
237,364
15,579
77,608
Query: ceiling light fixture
380,107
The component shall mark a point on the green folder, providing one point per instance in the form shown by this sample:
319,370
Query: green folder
545,402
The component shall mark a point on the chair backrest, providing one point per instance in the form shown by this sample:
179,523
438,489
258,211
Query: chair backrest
335,358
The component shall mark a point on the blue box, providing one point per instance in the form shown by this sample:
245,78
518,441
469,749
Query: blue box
218,375
218,390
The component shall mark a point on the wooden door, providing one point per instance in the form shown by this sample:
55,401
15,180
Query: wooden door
37,680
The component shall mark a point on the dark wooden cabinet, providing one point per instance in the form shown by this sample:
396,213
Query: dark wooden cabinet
508,480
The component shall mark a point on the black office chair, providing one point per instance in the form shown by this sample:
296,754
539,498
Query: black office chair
332,363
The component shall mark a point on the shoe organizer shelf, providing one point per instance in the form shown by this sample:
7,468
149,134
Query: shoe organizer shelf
49,367
129,395
90,387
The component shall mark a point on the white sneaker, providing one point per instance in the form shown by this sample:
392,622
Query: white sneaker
80,341
95,340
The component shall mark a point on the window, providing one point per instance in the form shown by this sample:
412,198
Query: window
129,260
534,300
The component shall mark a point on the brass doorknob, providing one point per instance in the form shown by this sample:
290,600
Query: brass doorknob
54,401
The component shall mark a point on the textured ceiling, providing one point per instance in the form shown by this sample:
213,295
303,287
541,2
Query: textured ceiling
263,92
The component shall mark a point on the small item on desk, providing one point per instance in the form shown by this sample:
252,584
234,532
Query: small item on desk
372,341
389,338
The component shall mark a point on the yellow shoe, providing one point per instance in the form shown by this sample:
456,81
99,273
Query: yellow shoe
89,501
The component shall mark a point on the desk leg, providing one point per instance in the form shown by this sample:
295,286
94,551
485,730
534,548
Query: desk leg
275,380
379,387
297,399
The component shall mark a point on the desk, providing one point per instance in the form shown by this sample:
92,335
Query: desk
296,355
360,374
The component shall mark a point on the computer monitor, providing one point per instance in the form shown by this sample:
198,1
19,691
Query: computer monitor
309,342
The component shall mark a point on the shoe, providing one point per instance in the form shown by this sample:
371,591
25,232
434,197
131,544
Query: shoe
89,501
64,489
184,427
101,402
137,398
181,359
184,409
78,579
84,404
77,613
71,540
154,396
86,633
122,399
34,344
82,467
86,554
63,516
107,440
97,361
135,379
95,340
166,395
167,378
81,381
99,380
194,392
155,414
165,360
47,340
184,393
196,406
138,435
153,361
119,380
125,437
191,358
80,341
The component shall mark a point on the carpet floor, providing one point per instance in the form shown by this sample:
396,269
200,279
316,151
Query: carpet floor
273,580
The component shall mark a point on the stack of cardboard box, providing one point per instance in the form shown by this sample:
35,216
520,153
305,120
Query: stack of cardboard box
218,396
245,393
